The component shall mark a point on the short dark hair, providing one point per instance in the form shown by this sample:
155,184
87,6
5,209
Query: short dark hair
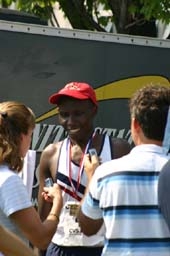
149,106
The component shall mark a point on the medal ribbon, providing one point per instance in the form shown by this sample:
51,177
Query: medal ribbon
81,168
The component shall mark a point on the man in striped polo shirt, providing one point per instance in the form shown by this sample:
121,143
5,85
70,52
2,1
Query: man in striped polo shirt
123,192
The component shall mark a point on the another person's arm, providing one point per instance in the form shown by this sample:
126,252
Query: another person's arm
164,192
89,214
10,244
26,217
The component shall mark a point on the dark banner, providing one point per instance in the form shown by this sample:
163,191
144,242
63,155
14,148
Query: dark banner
36,61
33,65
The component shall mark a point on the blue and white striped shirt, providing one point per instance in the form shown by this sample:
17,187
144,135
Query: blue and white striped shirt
124,193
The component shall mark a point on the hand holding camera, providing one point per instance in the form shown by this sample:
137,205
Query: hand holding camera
91,162
52,191
49,182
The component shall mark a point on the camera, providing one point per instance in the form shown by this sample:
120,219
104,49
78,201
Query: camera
92,152
48,182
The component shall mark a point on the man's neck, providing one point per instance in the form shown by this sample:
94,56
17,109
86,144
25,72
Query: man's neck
82,142
149,141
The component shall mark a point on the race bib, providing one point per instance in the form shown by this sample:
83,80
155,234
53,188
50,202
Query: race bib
72,232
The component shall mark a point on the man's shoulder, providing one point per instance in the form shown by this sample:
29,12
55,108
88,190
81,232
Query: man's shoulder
120,141
120,147
52,148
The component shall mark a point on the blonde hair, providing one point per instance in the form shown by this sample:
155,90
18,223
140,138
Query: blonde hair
15,119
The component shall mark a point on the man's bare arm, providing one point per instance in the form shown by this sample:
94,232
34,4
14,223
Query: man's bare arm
47,168
88,226
44,172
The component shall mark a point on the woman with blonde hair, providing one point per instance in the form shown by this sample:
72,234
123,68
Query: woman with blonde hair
17,213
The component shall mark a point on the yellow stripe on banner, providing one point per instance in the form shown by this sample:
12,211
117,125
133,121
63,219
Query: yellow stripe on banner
121,89
125,88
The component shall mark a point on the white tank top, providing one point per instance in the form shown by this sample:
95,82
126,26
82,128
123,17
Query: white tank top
68,231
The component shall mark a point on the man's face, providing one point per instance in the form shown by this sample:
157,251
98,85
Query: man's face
76,116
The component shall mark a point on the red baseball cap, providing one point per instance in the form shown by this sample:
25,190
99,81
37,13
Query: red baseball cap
77,90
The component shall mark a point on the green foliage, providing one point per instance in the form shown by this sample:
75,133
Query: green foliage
134,8
158,9
151,9
6,3
103,20
84,14
40,8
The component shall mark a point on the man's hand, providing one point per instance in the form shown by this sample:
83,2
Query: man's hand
90,165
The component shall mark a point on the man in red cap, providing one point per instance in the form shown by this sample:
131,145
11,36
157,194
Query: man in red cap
64,162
